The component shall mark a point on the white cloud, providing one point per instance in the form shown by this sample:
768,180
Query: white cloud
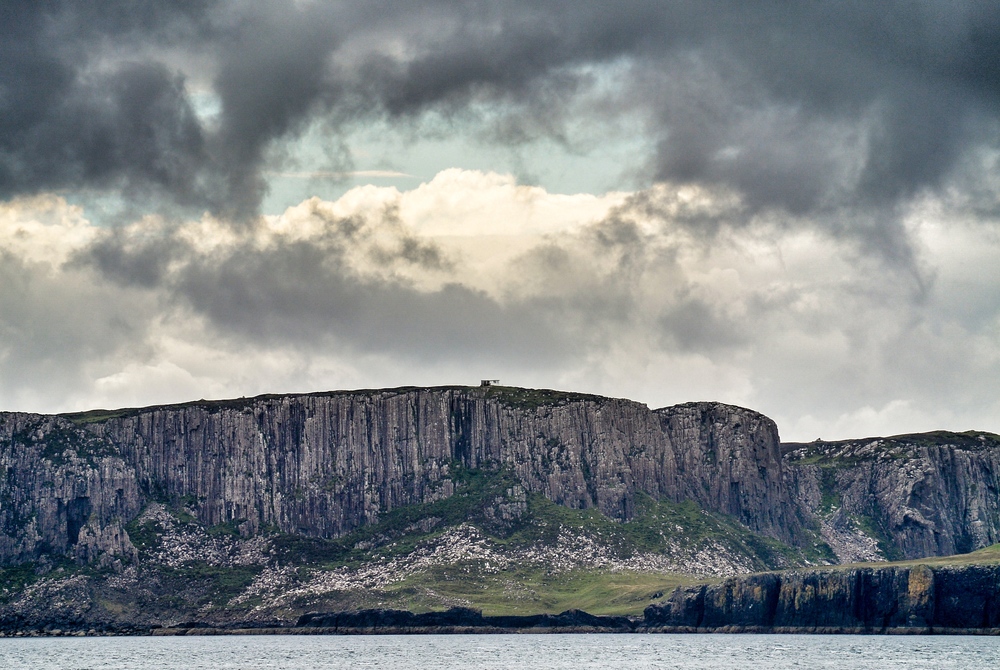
894,418
664,296
43,229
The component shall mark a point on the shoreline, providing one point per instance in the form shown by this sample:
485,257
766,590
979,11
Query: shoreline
494,630
892,600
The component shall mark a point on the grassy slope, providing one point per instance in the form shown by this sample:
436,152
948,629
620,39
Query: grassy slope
200,591
519,588
627,583
535,591
986,556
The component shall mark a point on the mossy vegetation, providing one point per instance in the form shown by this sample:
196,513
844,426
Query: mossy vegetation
15,577
845,453
59,444
829,495
145,535
656,528
230,528
523,398
203,584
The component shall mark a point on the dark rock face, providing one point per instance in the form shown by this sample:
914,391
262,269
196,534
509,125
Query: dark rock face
63,491
323,464
932,494
849,600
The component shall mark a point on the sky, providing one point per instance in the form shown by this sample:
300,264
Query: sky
788,206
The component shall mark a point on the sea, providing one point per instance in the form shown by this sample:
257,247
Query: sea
496,652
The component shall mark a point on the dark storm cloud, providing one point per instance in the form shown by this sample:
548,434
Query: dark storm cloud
141,263
692,325
799,106
296,294
68,121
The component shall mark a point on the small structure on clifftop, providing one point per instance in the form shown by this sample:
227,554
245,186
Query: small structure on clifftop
489,382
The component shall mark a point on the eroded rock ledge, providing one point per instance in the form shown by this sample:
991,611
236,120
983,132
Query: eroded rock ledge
916,599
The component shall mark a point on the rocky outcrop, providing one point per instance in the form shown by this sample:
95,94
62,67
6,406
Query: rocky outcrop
322,464
63,492
910,496
870,600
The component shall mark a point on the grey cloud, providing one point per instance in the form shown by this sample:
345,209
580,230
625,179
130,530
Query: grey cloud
142,263
301,293
800,106
693,325
68,121
304,293
272,78
56,328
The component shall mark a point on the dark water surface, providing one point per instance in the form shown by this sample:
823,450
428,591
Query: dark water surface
488,652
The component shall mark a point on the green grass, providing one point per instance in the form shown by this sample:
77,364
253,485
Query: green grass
986,556
846,453
144,536
200,583
508,395
16,577
829,495
535,591
231,528
523,398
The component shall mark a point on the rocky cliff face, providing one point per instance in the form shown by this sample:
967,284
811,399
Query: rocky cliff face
847,600
910,496
63,491
322,464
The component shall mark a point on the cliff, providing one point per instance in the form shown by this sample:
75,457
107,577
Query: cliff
320,465
522,502
908,496
915,598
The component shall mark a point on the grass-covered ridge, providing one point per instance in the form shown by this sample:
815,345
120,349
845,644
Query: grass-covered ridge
985,556
525,398
512,396
896,447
